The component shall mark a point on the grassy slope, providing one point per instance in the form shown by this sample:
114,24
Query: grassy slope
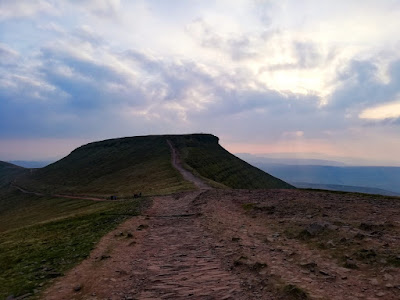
205,156
113,167
8,172
41,236
143,164
30,256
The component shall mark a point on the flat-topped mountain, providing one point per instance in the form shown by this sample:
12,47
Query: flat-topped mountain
143,164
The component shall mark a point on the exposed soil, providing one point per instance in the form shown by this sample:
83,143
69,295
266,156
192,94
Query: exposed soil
177,163
240,244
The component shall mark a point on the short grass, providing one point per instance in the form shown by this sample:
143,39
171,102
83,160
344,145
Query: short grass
20,210
8,172
30,256
121,167
203,154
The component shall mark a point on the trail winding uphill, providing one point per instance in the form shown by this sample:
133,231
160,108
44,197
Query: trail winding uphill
239,244
166,254
177,163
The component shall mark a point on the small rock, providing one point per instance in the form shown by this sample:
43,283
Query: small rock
309,266
387,277
77,288
380,294
350,264
103,257
359,236
324,273
330,244
141,227
374,281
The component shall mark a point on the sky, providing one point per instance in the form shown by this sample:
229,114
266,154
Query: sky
304,78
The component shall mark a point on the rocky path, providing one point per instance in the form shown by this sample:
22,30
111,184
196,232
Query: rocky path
240,244
169,256
166,254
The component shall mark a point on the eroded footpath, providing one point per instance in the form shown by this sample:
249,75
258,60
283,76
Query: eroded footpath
166,254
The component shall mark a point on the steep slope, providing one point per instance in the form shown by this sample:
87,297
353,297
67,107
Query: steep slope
204,156
8,172
131,165
122,167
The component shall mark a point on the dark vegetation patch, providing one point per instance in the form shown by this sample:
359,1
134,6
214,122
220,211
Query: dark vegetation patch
292,291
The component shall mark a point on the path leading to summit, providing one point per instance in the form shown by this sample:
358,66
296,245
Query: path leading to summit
165,254
177,163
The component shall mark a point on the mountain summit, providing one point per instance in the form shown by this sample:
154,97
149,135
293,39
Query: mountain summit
143,164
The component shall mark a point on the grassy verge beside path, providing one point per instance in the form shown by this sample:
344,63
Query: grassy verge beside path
31,256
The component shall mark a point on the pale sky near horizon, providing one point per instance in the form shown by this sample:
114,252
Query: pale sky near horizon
304,77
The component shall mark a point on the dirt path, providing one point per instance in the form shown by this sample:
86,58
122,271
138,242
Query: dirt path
60,195
177,163
240,244
165,255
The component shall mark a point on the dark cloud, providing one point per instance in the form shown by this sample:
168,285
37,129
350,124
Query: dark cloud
360,86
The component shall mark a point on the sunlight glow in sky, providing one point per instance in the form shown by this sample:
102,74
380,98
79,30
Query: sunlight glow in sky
265,76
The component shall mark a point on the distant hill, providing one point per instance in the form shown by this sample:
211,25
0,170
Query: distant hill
384,178
345,188
255,160
203,155
8,172
129,165
30,164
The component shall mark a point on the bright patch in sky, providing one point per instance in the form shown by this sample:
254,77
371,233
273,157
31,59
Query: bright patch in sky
386,111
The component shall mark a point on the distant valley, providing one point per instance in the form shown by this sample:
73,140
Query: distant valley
331,175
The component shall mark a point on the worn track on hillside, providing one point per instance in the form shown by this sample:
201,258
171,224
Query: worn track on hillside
240,244
62,195
177,163
169,256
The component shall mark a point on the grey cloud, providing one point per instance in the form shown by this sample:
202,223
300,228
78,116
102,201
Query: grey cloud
101,8
10,9
239,47
307,56
86,34
8,56
361,88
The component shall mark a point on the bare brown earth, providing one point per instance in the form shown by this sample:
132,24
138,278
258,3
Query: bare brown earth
240,244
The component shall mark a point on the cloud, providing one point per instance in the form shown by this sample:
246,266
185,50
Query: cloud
361,87
382,112
257,70
238,46
8,56
24,8
100,8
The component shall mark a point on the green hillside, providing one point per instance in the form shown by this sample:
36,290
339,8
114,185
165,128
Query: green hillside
203,155
43,236
130,165
122,167
8,172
